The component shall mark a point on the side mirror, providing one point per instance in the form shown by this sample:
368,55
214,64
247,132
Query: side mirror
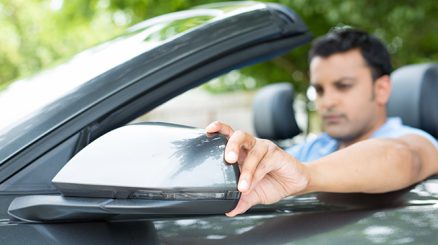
140,170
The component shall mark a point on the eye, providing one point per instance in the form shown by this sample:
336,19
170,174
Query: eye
343,86
319,90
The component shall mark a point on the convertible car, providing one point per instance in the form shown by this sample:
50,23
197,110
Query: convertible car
84,109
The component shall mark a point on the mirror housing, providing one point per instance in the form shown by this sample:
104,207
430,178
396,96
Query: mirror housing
144,169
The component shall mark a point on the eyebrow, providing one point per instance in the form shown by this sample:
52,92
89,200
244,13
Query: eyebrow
340,80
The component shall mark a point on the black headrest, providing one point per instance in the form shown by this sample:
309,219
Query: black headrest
414,96
274,116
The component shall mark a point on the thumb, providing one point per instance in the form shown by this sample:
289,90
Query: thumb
246,202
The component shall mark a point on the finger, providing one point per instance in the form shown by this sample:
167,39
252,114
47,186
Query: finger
219,127
262,170
251,165
246,202
238,141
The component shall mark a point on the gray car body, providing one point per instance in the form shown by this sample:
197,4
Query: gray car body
36,148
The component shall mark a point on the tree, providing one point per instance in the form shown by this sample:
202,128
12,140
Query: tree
40,33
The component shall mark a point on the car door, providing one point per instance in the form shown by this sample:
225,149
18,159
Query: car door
34,149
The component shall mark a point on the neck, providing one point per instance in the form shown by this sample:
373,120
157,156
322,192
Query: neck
379,123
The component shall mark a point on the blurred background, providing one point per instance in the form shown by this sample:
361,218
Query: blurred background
38,34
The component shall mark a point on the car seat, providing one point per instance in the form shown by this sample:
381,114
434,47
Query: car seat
414,96
273,113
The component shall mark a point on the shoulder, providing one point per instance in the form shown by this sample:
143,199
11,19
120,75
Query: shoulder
394,128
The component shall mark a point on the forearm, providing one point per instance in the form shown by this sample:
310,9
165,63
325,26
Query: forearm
370,166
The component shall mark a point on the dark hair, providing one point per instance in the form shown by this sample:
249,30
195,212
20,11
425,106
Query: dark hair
341,40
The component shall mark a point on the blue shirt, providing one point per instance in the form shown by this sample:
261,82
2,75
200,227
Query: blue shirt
324,144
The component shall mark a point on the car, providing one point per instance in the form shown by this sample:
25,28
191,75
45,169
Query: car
49,119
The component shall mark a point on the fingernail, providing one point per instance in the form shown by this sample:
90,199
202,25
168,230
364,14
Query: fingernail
209,128
243,185
231,157
231,214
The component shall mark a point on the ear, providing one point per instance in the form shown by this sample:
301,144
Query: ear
382,89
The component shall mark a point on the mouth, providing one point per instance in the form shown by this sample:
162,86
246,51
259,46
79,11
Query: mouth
332,118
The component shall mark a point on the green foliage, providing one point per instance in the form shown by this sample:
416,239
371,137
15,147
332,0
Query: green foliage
36,34
39,33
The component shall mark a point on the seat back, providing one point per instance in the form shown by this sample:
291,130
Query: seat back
273,113
414,96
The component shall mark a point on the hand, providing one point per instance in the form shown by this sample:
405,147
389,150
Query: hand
267,173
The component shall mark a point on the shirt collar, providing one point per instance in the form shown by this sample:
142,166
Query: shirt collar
390,124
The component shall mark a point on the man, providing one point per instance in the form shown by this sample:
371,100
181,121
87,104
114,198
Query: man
361,150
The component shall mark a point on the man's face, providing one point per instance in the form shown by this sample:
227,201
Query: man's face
346,96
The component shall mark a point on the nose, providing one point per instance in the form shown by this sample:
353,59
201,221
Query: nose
328,100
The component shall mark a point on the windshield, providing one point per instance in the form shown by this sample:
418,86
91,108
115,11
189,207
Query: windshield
26,96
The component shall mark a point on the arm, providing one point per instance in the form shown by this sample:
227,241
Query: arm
377,165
